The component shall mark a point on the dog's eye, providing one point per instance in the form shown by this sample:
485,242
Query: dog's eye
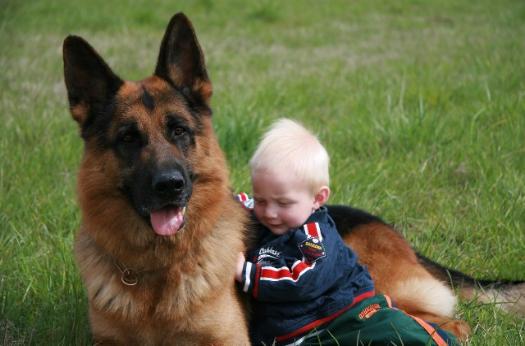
129,137
178,131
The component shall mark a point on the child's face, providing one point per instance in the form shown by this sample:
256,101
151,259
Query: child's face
281,201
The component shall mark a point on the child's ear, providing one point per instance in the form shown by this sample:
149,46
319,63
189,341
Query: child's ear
321,196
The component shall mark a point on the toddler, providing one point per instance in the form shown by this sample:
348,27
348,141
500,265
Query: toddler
306,283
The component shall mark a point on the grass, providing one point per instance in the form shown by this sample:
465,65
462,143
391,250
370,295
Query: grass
420,103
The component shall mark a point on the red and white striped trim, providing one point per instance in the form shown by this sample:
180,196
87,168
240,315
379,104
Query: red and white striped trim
313,230
245,200
280,274
247,273
242,196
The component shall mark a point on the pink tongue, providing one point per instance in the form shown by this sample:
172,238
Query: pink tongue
167,221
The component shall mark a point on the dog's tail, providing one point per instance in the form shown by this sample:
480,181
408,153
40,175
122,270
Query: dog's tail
506,294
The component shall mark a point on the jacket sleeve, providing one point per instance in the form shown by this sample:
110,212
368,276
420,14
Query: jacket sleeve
295,279
245,200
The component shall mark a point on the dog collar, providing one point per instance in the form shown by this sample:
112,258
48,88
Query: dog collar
128,276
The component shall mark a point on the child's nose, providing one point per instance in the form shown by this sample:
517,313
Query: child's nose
270,211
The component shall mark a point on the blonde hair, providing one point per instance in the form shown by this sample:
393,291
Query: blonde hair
289,146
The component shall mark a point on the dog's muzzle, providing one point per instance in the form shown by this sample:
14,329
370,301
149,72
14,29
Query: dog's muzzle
171,190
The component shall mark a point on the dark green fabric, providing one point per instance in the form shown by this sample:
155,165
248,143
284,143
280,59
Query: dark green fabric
383,326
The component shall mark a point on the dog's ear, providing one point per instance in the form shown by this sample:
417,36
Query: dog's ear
181,61
89,81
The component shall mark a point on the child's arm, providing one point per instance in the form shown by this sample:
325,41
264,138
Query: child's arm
294,279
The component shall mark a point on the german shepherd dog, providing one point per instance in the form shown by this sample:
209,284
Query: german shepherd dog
160,229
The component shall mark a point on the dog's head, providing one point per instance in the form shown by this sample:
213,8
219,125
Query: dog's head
148,144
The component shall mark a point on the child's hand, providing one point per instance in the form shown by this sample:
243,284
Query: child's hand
240,265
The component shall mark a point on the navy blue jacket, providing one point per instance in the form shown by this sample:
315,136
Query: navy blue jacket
301,279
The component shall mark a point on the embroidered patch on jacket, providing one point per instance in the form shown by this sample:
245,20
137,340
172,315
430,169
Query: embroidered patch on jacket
268,255
312,249
369,311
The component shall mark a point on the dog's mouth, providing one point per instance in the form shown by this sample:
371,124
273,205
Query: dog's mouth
168,220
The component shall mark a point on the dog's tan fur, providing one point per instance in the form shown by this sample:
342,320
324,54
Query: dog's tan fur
185,291
190,276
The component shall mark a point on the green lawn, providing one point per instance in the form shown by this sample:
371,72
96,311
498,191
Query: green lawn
420,103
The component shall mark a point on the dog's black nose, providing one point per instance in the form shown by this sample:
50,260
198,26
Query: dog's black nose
168,182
